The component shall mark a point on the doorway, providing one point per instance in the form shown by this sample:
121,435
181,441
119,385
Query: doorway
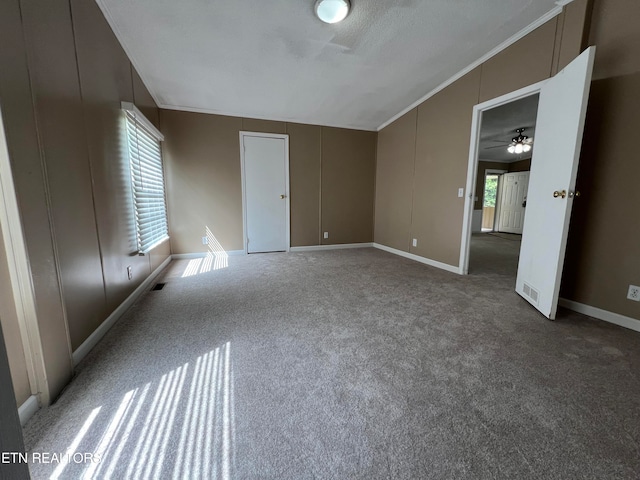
502,186
265,192
561,114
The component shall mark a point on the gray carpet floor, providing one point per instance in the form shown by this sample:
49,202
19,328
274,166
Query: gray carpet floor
349,364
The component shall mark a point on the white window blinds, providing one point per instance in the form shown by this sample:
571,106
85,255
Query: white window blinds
145,161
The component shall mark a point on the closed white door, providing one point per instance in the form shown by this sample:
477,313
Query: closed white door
512,201
554,167
265,162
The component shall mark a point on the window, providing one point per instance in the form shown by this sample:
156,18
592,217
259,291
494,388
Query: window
147,178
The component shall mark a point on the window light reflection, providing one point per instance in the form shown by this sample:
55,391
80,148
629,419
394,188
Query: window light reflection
140,439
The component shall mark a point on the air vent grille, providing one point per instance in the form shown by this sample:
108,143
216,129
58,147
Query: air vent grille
531,293
158,286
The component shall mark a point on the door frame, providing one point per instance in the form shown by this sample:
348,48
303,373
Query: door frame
472,169
287,192
20,274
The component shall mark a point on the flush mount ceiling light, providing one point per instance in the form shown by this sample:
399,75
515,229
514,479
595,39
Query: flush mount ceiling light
520,144
332,11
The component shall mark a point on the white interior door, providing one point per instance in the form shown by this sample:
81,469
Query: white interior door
559,128
512,207
266,193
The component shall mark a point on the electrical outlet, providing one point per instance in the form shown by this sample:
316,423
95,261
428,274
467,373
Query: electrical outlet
205,240
415,242
634,293
130,272
326,234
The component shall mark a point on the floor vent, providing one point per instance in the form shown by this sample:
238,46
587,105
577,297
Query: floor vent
158,286
531,292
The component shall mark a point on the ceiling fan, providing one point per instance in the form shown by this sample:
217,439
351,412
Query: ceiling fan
519,144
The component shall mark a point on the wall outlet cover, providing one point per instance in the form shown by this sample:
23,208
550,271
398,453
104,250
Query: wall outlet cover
205,240
634,293
326,234
415,242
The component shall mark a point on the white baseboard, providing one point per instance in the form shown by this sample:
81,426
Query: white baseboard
188,256
27,409
104,327
600,314
418,258
338,246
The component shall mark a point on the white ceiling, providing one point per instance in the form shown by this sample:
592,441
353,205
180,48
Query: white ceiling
274,59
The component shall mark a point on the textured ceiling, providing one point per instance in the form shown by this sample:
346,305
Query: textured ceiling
274,59
499,127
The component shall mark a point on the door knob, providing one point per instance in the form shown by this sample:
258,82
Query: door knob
557,194
283,196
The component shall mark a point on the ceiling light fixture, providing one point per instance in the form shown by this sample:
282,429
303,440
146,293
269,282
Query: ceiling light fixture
520,144
332,11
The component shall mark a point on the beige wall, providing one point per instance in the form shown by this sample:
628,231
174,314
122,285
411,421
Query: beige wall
64,75
394,182
305,161
331,180
441,165
603,251
603,255
348,182
11,330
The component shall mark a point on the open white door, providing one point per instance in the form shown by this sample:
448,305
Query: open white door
513,198
554,166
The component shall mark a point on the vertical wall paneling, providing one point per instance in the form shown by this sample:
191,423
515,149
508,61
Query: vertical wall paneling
59,116
395,170
348,163
304,170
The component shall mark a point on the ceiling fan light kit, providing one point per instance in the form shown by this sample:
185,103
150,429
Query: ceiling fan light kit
332,11
520,144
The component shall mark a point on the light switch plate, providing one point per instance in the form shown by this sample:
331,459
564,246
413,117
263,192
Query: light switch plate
460,192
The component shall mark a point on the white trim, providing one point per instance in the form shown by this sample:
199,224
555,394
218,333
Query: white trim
563,3
104,327
600,314
144,121
27,409
188,256
503,46
337,246
287,191
418,258
472,166
20,273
